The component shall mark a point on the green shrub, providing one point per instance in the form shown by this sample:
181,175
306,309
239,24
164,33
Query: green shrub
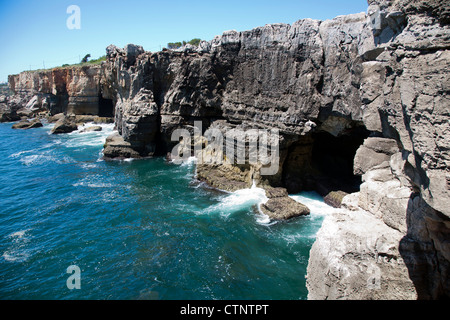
177,45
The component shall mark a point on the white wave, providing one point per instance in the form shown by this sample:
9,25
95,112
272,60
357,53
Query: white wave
315,204
93,181
18,251
87,165
18,234
264,219
93,185
79,139
16,255
237,200
45,157
89,139
189,162
18,154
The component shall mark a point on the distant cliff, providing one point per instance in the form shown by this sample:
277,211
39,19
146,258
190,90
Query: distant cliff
67,89
361,102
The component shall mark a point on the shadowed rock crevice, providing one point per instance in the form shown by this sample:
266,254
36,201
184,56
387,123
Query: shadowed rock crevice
323,163
425,249
105,107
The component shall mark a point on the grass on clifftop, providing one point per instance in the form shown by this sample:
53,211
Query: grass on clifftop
92,62
88,63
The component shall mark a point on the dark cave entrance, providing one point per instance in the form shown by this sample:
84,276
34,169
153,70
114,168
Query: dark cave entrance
105,107
323,163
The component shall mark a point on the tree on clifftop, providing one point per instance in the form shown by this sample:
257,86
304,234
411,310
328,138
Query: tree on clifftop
86,57
176,45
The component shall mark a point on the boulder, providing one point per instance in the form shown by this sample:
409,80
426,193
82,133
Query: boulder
55,117
94,119
334,198
9,116
284,208
275,192
116,147
26,124
64,125
357,257
92,128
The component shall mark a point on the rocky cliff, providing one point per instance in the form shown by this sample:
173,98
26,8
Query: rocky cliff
391,240
72,90
361,104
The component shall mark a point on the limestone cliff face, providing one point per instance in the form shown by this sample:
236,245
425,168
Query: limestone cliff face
291,77
404,88
74,90
327,85
361,102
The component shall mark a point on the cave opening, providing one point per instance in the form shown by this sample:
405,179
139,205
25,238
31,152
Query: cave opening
105,107
323,162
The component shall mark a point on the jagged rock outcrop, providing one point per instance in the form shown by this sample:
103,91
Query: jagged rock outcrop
280,206
64,125
117,148
401,207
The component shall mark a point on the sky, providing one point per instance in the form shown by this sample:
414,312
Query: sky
34,34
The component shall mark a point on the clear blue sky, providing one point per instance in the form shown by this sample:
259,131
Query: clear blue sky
34,33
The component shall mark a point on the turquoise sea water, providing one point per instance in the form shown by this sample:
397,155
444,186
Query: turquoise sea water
142,229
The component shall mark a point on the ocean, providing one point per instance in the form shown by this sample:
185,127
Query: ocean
141,229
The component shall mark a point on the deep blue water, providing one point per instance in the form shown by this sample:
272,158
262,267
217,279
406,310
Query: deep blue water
140,229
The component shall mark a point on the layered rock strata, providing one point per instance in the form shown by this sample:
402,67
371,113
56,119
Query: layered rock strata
72,90
390,240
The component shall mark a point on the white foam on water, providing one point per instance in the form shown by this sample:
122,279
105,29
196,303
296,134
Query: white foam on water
79,139
188,162
237,200
87,165
16,256
17,252
18,234
94,181
93,185
318,210
315,204
18,154
44,157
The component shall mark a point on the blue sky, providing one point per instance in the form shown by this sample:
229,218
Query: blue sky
34,33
